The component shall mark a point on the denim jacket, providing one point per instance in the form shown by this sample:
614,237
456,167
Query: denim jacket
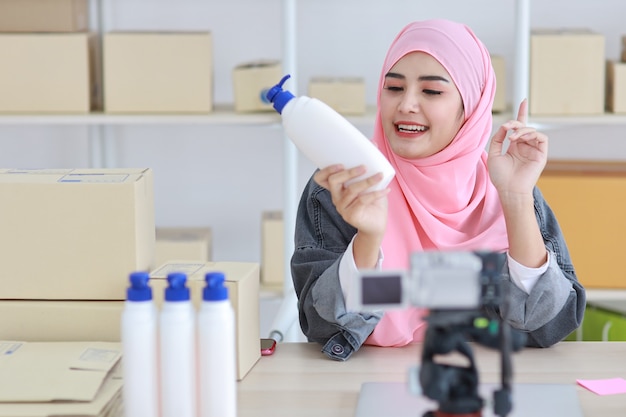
553,309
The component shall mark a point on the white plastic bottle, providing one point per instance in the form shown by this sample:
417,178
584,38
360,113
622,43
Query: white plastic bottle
216,350
326,137
139,349
177,344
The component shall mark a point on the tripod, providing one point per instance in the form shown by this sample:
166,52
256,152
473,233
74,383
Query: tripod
455,388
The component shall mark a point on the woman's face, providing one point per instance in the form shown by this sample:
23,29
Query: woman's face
420,107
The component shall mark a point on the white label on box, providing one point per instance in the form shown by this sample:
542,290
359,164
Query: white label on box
7,348
94,178
39,171
186,268
99,355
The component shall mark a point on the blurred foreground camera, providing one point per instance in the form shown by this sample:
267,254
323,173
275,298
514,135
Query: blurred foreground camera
463,295
435,280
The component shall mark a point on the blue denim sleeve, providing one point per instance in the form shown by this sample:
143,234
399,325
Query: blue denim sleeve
321,238
556,305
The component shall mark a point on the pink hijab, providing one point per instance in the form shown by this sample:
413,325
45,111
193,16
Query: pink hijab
445,201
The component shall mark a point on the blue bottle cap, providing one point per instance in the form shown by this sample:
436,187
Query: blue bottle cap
214,290
177,289
278,96
139,289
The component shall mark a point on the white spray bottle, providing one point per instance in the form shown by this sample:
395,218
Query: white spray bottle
178,350
139,349
326,137
216,350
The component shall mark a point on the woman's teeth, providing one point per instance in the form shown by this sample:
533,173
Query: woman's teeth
411,128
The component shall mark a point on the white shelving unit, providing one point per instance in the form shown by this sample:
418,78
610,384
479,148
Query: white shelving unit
102,154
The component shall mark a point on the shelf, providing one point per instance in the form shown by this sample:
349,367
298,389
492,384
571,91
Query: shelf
220,116
223,115
553,122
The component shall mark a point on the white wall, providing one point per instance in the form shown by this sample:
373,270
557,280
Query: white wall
224,176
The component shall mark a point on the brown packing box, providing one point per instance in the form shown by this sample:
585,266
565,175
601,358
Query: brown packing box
251,80
499,67
58,321
49,73
344,94
189,243
242,280
74,234
272,249
616,87
158,72
559,61
60,379
44,15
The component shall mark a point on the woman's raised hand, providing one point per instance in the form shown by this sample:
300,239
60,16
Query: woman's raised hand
364,210
517,169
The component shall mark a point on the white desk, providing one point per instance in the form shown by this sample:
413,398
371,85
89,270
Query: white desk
299,381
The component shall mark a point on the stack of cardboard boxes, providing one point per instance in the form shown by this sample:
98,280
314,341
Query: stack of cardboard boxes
71,237
69,240
50,60
571,76
52,63
60,379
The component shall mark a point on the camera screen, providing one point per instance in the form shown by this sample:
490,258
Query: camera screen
381,289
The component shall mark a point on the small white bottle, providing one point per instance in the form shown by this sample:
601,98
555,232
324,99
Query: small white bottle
177,344
326,137
216,350
139,349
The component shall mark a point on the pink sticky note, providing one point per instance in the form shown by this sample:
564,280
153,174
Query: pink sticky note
604,386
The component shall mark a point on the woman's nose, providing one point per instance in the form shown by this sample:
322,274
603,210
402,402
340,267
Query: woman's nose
409,104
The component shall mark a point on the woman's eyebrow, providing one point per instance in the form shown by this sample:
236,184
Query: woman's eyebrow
421,78
395,75
433,78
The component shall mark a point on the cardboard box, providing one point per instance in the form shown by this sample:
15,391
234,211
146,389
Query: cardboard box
251,81
54,379
74,234
242,280
499,67
60,321
272,249
158,72
344,94
49,73
44,15
559,62
616,87
188,243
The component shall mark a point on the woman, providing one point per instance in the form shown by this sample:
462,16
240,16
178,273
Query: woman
433,123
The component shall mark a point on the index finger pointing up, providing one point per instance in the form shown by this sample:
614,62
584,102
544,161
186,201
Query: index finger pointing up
522,113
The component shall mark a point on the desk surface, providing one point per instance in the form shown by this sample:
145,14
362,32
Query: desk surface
298,380
614,306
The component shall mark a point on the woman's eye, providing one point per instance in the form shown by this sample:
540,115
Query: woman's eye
393,88
432,92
